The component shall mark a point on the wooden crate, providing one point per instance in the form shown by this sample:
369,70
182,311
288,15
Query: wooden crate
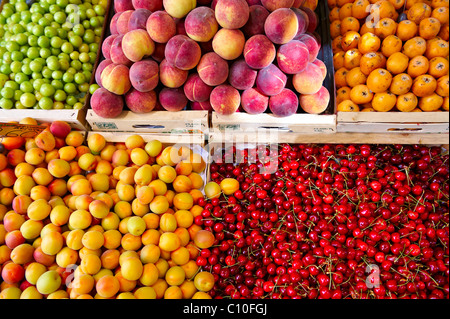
393,122
184,122
76,118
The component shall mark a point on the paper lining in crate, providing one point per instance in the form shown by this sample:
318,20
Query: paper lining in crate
393,122
183,122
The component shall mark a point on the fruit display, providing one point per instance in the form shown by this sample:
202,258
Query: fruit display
390,55
92,219
225,56
48,51
328,222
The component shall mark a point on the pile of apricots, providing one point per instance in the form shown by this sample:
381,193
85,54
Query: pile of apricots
391,55
83,218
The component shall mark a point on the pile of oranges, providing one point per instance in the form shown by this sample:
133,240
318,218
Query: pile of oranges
390,55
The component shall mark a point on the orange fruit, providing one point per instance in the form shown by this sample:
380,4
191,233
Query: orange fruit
369,42
361,94
336,44
348,106
418,65
414,47
339,60
429,28
350,40
372,61
384,101
334,14
345,11
431,103
443,86
436,47
359,9
355,77
367,27
340,77
343,94
446,104
441,14
418,12
439,67
397,63
401,84
349,24
398,4
444,33
332,3
411,3
439,3
379,80
335,29
406,30
407,102
385,27
352,59
384,9
424,85
391,45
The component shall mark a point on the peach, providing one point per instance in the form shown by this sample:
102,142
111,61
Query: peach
242,77
229,44
313,18
14,238
140,102
173,100
232,14
271,80
284,104
225,99
281,26
308,81
312,45
293,57
196,90
315,103
256,21
144,75
273,5
303,21
259,52
123,5
106,104
254,102
137,44
116,53
60,129
52,243
106,46
179,8
161,27
138,19
12,273
113,23
201,106
123,20
183,52
12,220
171,76
158,55
20,204
201,24
42,258
115,79
322,67
98,72
212,69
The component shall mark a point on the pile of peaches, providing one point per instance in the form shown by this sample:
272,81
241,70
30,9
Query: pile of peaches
391,55
226,56
86,218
